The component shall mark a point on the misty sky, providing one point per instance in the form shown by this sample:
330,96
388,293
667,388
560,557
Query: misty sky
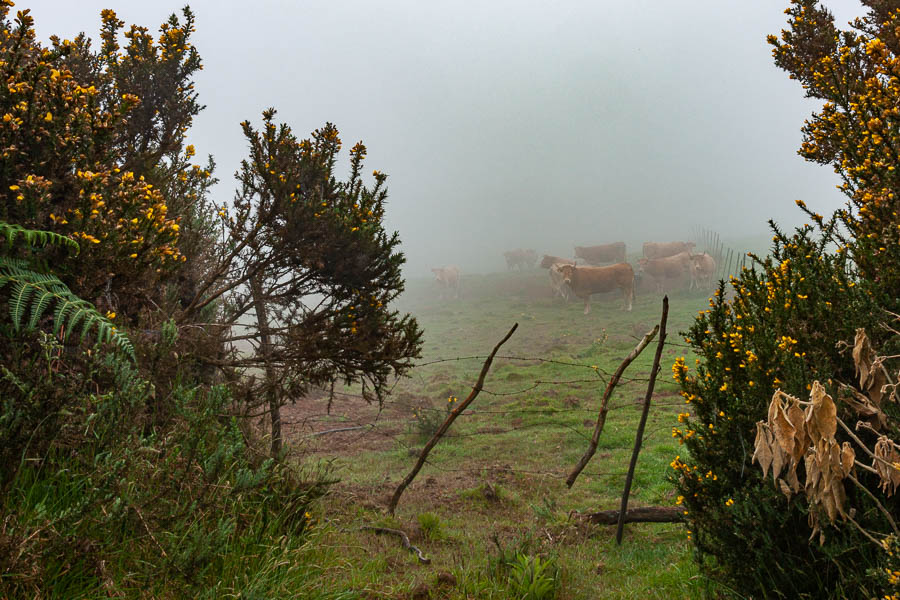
508,123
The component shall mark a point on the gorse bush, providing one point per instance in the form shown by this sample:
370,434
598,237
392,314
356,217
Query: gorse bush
777,333
792,322
127,466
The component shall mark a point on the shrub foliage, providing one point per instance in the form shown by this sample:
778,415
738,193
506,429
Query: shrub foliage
790,322
126,467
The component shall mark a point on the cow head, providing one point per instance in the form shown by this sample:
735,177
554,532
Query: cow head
567,272
642,262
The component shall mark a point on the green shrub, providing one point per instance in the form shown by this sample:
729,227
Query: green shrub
181,511
778,332
427,419
532,578
431,525
789,324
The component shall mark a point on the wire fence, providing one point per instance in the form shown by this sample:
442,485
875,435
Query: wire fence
393,421
729,261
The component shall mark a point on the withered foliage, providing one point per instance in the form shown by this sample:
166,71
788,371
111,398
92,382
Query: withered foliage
802,434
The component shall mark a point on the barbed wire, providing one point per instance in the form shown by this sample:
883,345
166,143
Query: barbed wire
398,419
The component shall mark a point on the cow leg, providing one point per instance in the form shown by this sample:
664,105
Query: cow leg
587,305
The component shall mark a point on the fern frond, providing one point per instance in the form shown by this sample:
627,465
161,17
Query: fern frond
36,237
18,302
32,294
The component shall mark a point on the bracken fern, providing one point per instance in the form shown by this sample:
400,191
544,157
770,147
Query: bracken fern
33,293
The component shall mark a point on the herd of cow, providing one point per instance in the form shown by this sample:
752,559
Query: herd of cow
667,264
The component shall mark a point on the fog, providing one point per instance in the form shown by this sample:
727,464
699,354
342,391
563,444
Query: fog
508,124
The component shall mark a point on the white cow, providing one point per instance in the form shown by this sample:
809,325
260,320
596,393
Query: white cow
448,278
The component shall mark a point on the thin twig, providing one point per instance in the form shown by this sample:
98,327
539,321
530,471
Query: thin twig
880,506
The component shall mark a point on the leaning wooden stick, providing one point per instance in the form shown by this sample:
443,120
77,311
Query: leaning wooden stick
654,370
604,405
423,455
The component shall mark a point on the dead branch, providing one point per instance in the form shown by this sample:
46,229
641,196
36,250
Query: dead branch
604,405
643,514
448,422
404,539
654,370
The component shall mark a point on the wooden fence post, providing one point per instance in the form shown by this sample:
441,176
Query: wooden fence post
654,371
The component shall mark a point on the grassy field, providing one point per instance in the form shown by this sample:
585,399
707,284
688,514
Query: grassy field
495,486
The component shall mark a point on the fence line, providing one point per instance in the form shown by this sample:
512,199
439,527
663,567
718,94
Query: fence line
729,261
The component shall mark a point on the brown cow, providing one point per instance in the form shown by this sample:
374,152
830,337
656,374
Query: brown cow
584,281
664,249
703,269
550,260
520,258
605,253
448,279
558,283
664,270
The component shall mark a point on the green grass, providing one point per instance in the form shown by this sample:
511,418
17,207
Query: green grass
497,482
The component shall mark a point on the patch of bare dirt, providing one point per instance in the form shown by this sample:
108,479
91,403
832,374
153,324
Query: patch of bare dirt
351,427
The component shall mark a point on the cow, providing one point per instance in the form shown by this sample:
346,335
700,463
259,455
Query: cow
703,269
603,254
448,279
557,282
584,281
664,249
520,258
664,270
550,260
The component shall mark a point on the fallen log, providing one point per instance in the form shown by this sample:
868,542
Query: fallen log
643,514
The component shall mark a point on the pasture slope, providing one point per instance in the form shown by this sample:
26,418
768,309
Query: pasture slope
497,481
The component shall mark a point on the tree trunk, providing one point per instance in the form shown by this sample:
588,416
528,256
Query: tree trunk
262,321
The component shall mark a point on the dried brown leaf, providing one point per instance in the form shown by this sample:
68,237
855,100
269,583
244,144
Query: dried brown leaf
862,356
801,437
885,464
864,408
785,488
821,416
762,452
877,380
813,475
839,499
784,430
792,478
778,460
869,367
848,456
